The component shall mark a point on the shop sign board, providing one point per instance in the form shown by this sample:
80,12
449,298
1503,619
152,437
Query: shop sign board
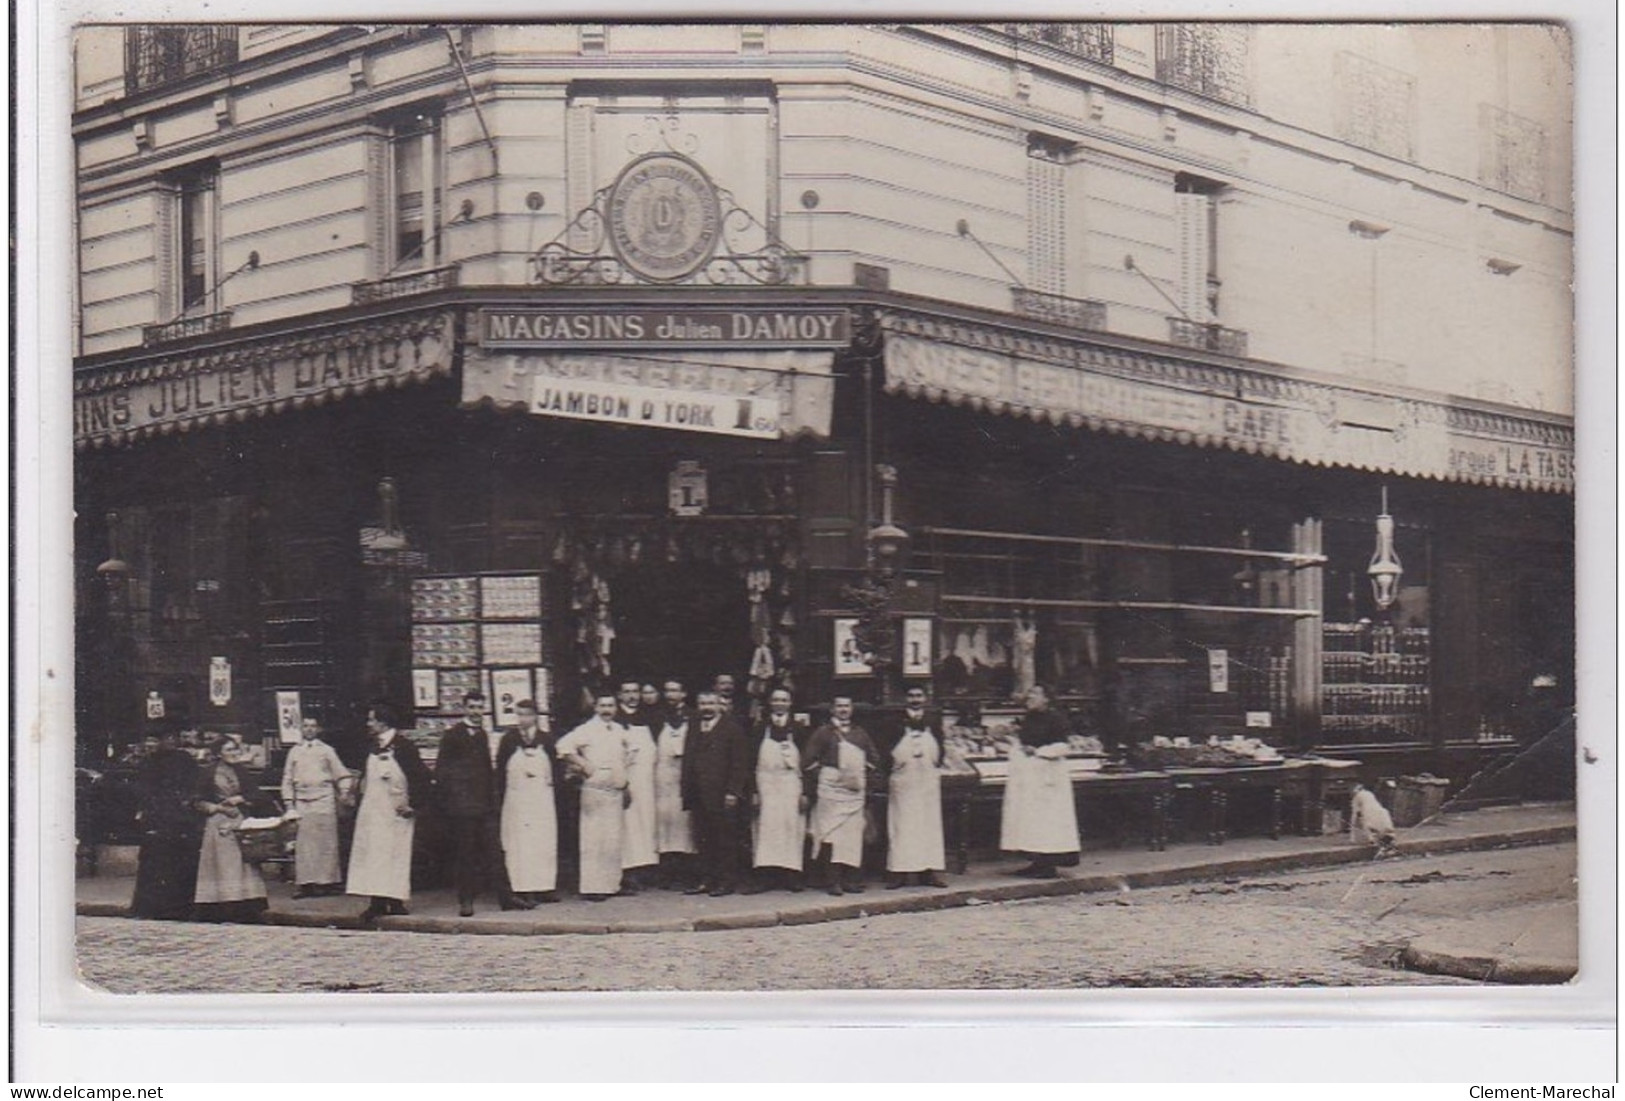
850,660
290,718
686,489
1218,670
425,689
157,395
917,657
1305,422
585,327
219,681
155,706
750,415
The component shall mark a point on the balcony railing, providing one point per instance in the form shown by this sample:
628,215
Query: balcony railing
403,286
183,327
1090,41
1075,313
1207,337
159,55
1210,59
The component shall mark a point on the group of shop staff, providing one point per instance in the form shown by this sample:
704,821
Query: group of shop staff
668,794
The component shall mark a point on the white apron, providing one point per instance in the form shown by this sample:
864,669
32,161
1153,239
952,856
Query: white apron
530,822
222,874
914,810
638,839
310,787
381,853
1038,815
674,829
781,828
602,813
837,816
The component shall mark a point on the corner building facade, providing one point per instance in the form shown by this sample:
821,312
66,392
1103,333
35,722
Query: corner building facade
536,356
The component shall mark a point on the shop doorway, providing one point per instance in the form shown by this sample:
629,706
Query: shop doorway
686,620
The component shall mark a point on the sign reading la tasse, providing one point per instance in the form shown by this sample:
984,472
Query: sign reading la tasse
636,332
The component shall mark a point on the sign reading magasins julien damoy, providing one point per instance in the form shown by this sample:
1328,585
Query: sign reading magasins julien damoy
686,327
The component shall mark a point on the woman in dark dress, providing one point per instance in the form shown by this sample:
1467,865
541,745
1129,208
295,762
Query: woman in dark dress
166,788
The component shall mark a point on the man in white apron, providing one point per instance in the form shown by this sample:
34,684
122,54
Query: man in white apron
314,781
1039,818
674,827
599,753
780,834
529,812
915,849
640,851
835,769
394,784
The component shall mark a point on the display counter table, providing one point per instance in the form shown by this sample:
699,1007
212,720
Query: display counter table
1309,782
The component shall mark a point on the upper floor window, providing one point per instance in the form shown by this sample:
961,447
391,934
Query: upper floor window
159,55
195,269
1091,41
415,173
1210,59
1376,106
1511,153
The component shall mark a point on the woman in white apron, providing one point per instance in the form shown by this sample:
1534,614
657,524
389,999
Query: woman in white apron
530,820
915,846
838,756
228,887
781,819
1039,818
598,747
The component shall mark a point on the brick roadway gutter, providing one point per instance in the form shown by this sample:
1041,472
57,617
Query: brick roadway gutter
1101,871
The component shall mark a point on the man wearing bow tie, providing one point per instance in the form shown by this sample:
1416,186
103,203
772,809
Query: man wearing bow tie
836,771
915,849
465,775
715,782
781,806
394,786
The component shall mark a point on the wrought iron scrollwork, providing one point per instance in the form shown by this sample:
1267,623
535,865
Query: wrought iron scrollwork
595,262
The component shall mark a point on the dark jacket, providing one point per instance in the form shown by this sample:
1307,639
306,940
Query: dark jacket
824,748
716,764
463,774
419,784
508,747
890,732
167,788
799,733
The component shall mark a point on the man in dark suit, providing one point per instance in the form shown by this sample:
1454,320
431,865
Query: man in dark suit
715,780
465,777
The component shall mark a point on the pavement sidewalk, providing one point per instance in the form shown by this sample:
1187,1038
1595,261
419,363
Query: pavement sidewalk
1101,869
1521,944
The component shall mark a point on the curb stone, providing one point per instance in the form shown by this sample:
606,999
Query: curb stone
982,894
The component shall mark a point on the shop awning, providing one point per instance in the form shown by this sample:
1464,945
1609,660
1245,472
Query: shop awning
761,393
1211,404
160,392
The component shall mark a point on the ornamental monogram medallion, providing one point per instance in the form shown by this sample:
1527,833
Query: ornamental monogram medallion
664,217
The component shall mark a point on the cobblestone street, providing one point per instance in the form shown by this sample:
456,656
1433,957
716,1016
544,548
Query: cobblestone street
1340,927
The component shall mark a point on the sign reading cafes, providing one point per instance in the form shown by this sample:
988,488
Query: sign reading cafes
633,327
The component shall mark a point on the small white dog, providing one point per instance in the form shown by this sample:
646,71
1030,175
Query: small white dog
1369,820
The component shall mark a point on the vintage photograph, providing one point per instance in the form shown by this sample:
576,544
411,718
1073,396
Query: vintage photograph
722,506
